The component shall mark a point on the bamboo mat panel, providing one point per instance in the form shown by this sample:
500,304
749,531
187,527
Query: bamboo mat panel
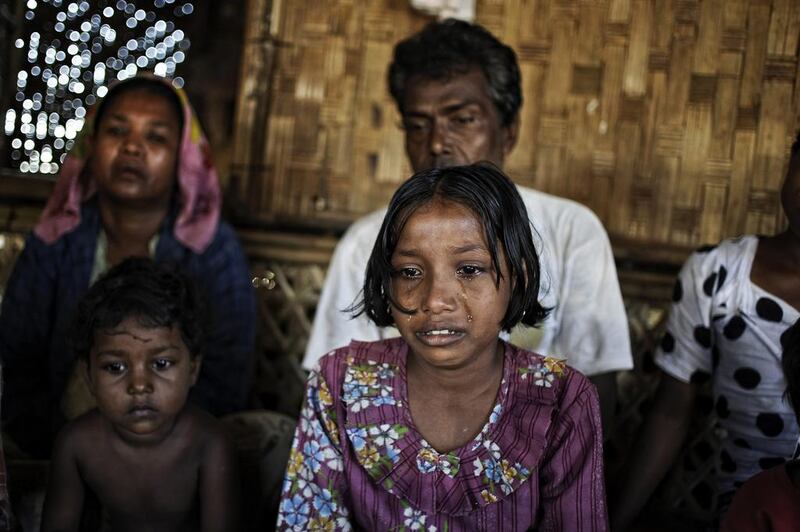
671,119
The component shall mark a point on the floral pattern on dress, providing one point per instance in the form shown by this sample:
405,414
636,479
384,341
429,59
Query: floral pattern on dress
368,384
376,446
309,499
366,426
414,519
429,461
544,372
498,473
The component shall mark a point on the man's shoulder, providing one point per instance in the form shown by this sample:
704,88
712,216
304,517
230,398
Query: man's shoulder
365,228
354,248
559,212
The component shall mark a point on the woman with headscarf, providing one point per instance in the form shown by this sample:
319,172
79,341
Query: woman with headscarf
139,182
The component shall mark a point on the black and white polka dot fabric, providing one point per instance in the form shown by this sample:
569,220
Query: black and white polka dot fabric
724,327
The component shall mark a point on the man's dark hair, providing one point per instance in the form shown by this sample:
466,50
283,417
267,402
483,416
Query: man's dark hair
148,85
790,342
449,47
486,191
154,294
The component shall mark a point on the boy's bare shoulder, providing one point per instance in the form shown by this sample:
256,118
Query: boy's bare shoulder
88,425
83,433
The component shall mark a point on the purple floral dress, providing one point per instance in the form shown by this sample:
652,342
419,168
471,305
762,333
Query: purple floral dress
358,462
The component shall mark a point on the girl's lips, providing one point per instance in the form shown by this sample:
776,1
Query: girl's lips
440,337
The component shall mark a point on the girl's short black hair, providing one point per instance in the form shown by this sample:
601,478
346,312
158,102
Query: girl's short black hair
486,191
790,361
148,85
156,295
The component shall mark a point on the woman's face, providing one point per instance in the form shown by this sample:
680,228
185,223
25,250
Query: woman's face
442,269
135,150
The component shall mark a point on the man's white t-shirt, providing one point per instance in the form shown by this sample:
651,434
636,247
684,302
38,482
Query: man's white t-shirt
587,324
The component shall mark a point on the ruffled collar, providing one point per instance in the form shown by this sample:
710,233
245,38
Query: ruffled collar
500,459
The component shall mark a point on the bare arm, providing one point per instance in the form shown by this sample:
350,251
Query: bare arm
219,487
63,504
606,384
655,449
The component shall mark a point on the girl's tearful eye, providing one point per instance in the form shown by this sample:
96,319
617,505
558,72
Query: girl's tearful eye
408,273
469,271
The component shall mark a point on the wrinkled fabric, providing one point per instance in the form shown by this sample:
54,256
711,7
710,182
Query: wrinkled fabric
725,328
199,195
358,461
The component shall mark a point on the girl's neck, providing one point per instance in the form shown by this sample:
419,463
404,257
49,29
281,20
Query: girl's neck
473,379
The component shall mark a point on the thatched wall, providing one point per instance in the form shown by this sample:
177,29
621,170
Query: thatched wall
671,119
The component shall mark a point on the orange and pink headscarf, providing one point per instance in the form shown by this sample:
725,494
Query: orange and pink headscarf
199,198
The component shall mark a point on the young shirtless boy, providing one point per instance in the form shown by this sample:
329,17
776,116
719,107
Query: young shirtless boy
153,461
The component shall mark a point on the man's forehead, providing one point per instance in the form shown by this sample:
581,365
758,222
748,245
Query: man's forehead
460,85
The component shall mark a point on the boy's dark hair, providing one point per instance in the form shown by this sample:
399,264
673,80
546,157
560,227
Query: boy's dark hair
486,191
149,85
155,294
790,342
443,49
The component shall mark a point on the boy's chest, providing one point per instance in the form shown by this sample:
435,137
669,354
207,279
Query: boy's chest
157,491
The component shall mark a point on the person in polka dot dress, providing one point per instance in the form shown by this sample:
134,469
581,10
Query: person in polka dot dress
770,501
732,306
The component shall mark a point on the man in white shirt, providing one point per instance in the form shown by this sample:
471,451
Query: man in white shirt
458,90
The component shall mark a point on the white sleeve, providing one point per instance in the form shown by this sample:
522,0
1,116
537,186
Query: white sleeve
333,326
593,326
686,345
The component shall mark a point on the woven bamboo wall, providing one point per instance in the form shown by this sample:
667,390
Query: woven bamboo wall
328,146
671,119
